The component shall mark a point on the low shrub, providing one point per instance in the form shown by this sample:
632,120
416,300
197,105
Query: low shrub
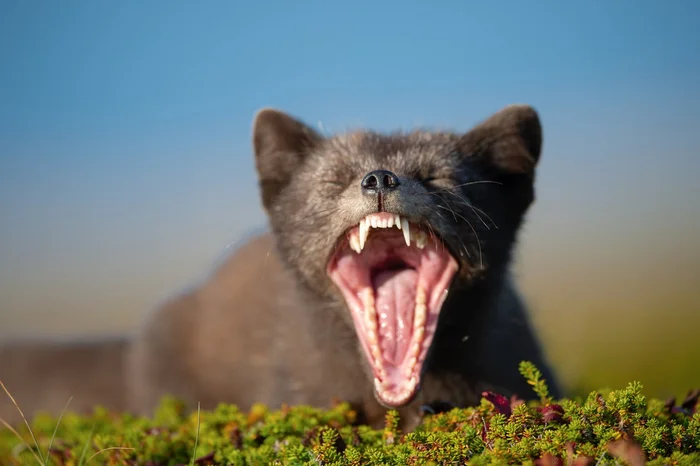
617,427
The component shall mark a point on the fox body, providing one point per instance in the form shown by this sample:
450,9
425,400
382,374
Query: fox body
384,281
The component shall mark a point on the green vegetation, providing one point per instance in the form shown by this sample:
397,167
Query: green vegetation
618,427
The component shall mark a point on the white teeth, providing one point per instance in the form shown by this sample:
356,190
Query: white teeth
406,231
402,396
359,240
421,295
415,348
355,244
410,365
364,231
378,385
420,316
370,316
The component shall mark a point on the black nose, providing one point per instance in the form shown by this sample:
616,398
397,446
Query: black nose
379,181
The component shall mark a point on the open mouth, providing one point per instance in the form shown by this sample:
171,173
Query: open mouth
394,277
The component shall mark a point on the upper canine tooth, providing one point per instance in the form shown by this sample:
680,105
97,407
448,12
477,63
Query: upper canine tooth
406,231
364,231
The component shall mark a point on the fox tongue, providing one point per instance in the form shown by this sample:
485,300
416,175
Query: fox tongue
395,300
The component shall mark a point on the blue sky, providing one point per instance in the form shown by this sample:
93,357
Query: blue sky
125,161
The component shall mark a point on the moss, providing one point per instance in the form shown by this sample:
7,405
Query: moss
620,427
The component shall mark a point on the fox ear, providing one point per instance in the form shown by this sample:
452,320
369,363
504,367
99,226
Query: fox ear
509,141
280,143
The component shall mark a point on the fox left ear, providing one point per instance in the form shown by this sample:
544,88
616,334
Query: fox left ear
280,142
510,140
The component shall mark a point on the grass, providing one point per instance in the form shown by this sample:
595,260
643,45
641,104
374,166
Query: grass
15,458
611,427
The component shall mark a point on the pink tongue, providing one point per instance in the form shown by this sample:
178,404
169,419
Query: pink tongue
395,298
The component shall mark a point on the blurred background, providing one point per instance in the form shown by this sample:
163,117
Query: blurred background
126,171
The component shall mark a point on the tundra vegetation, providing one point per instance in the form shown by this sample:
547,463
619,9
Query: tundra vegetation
606,427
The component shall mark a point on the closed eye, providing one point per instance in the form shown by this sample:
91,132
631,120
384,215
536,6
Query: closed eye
335,182
437,182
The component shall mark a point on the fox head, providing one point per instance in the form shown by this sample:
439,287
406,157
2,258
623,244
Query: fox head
389,225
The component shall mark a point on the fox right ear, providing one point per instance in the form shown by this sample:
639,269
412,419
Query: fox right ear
509,140
280,142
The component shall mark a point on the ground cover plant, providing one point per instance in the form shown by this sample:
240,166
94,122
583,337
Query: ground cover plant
611,427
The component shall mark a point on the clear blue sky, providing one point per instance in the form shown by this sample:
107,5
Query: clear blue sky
125,162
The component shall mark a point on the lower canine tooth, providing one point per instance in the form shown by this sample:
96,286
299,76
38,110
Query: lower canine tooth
355,244
421,239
